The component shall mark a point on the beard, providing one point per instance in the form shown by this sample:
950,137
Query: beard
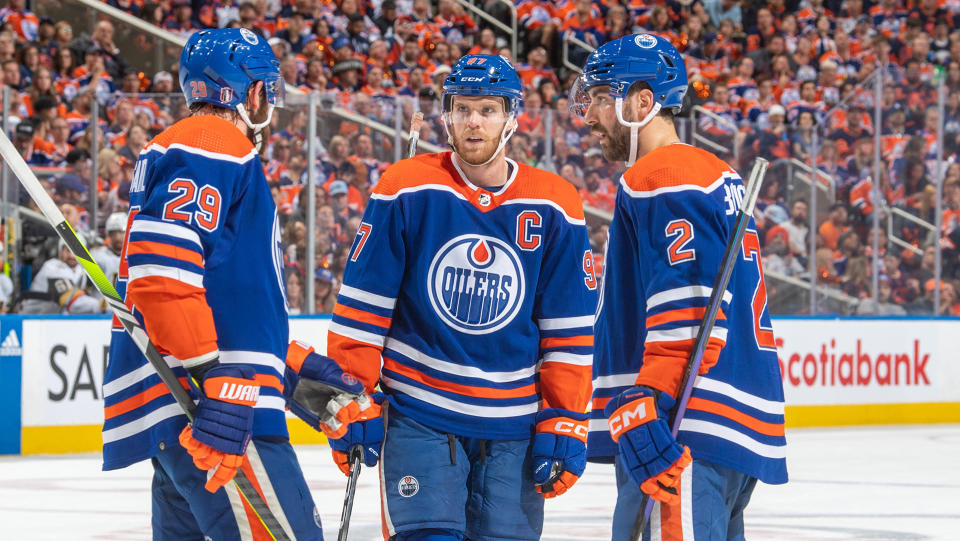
616,143
475,154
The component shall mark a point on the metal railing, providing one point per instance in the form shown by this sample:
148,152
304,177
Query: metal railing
511,30
569,38
704,140
894,212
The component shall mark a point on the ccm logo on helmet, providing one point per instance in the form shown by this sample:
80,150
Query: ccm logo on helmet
472,79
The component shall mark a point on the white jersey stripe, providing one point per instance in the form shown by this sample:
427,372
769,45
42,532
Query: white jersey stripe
683,333
142,271
643,194
434,399
205,153
733,436
569,358
600,425
140,424
558,323
454,368
253,357
615,380
367,297
357,334
413,189
170,230
681,293
134,376
772,407
549,203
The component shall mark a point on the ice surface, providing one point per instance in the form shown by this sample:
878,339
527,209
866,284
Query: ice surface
865,484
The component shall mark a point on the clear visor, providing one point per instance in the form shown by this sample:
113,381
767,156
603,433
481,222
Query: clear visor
277,89
484,113
579,99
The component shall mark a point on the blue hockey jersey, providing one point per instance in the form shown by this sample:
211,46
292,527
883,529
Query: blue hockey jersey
675,210
201,268
479,304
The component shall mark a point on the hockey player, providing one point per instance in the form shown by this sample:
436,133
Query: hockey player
61,286
471,279
201,268
108,255
675,210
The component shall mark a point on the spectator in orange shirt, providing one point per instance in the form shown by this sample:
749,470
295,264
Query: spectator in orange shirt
834,226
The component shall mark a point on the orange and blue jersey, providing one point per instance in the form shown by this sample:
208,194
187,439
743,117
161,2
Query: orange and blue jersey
478,303
201,269
24,23
676,208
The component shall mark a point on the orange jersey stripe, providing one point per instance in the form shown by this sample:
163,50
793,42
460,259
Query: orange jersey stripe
566,341
765,428
680,314
176,316
206,132
361,316
360,359
599,403
566,386
466,390
139,399
664,362
166,250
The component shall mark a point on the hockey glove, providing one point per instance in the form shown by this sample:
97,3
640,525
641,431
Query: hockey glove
648,449
320,393
559,450
367,432
223,422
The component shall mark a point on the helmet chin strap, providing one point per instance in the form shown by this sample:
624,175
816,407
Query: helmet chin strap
505,135
634,127
257,128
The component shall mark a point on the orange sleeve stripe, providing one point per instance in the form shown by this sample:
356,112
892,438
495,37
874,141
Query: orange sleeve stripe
566,386
360,359
680,314
166,250
176,316
567,341
466,390
362,316
267,380
762,427
664,363
139,399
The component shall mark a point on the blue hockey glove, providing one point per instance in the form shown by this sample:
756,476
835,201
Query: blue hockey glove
648,449
367,432
320,393
223,422
559,450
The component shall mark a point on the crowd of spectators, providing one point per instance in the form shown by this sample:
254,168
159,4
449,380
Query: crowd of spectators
780,79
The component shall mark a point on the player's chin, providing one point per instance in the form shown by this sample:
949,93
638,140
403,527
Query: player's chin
476,155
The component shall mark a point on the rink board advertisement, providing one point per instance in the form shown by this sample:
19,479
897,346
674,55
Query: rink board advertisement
835,372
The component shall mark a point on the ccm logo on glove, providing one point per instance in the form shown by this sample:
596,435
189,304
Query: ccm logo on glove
233,390
564,426
632,414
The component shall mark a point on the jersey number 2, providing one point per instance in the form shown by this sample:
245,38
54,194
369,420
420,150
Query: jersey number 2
678,252
751,252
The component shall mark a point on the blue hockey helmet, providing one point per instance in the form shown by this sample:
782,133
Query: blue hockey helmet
218,66
623,62
484,75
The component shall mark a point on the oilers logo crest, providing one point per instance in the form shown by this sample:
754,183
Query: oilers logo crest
475,284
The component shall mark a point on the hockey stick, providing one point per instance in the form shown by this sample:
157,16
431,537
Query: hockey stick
50,210
356,452
709,318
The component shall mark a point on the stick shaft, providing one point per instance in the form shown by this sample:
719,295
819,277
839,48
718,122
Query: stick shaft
728,262
48,207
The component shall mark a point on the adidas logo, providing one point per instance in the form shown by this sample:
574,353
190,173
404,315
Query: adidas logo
10,344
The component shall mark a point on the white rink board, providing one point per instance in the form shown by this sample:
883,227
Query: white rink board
60,356
873,361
